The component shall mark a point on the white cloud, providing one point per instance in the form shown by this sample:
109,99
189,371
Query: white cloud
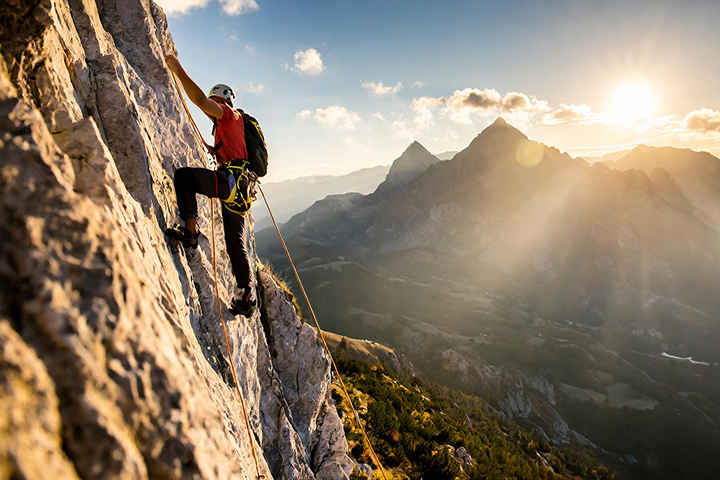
250,88
380,89
462,105
419,84
703,120
379,116
231,7
423,108
449,136
401,129
569,114
336,116
249,48
308,63
229,37
515,105
305,114
238,7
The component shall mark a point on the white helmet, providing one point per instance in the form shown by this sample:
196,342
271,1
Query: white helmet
223,91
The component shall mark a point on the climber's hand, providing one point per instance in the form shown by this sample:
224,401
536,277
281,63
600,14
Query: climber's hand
173,63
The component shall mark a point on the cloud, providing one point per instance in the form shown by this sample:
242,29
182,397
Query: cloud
401,129
379,89
489,102
569,114
449,136
229,37
379,116
308,63
250,88
334,116
419,84
473,98
231,7
423,108
703,120
238,7
463,104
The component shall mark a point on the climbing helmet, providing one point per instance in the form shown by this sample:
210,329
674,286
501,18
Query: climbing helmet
224,91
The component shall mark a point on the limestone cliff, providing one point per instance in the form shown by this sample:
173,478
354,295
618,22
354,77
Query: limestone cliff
112,363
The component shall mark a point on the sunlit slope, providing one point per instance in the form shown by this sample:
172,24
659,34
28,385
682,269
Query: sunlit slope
696,173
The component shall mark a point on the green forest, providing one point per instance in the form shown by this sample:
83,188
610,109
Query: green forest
416,428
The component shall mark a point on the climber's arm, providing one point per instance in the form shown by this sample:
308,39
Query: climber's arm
194,93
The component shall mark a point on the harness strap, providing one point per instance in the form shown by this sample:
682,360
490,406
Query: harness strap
237,202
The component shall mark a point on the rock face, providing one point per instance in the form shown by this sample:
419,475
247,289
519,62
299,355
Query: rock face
113,361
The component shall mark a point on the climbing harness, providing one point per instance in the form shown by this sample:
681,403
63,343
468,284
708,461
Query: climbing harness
259,475
238,202
253,178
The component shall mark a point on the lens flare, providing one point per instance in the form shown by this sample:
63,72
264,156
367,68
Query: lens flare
528,154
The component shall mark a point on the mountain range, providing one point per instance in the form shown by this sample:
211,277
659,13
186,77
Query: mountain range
577,298
290,197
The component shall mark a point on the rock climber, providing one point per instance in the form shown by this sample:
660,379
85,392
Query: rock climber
228,180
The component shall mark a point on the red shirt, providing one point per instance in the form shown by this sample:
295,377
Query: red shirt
230,136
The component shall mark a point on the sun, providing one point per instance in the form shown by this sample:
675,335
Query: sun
633,102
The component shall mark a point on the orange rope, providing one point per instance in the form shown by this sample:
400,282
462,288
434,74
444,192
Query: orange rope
302,288
322,337
232,364
192,122
217,295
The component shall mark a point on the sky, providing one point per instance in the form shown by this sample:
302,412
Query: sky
340,85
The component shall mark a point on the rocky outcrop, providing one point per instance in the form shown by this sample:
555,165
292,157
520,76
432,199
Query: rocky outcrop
370,352
113,361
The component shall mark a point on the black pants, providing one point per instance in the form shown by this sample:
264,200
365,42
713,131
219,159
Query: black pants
215,184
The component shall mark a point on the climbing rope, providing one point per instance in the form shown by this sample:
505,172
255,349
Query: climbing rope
302,289
217,293
187,110
322,337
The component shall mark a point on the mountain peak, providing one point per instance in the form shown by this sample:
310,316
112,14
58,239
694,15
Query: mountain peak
415,146
500,125
499,122
413,161
498,136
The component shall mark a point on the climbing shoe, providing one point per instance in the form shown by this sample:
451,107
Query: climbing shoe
243,302
183,235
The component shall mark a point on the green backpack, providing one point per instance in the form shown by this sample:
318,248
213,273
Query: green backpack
256,147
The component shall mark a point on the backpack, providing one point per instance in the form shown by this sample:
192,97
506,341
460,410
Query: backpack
255,143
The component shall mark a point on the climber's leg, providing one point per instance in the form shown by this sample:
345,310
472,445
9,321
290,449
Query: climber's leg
188,183
191,181
235,241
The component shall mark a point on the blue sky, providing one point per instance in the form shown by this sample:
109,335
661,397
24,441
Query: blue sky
588,77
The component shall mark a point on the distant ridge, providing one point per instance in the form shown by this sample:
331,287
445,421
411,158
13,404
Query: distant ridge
290,197
696,173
